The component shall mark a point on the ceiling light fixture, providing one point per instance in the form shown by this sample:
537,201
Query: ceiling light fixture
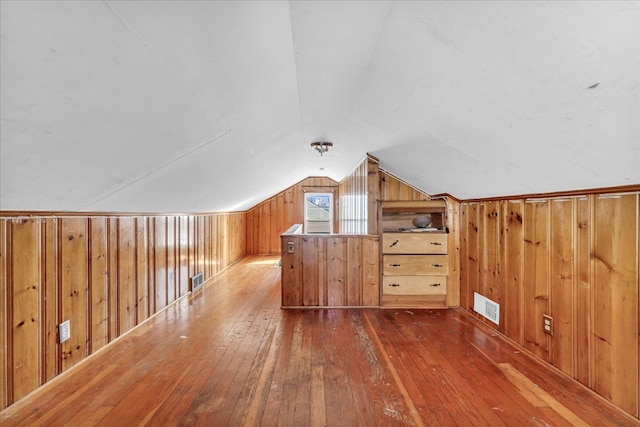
321,146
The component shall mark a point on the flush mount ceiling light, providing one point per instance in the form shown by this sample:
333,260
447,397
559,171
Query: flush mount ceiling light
321,146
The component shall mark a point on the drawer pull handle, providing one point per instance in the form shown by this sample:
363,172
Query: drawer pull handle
394,285
436,243
434,284
394,243
394,265
436,265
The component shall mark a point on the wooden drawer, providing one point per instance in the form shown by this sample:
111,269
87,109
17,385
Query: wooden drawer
414,243
434,284
409,265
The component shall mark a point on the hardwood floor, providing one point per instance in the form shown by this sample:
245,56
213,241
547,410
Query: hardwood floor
229,355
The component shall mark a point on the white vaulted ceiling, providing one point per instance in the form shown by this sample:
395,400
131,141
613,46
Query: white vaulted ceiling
178,106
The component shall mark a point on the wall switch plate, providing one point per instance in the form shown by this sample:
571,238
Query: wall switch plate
547,324
64,331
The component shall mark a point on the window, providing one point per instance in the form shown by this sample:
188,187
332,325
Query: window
318,213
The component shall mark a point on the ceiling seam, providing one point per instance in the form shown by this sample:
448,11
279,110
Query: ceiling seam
146,175
160,59
141,40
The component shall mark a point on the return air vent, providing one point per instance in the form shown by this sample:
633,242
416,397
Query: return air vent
487,308
196,281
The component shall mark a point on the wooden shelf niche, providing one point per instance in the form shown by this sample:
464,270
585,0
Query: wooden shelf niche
415,260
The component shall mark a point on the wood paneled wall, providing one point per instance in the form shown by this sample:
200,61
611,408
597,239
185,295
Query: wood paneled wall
269,219
574,258
359,195
105,274
393,188
330,271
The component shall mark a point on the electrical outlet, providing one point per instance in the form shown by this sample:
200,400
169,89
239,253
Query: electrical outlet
547,324
64,331
290,247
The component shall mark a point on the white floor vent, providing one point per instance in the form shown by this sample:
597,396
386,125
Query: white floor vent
196,281
487,308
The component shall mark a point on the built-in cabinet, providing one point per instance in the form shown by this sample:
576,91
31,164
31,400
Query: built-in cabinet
415,255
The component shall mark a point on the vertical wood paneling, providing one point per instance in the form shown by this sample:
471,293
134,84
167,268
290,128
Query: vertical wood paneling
201,241
74,295
373,195
490,280
142,269
171,260
616,299
536,276
4,401
371,272
576,259
584,295
310,269
292,279
160,237
99,277
183,256
100,273
24,297
473,264
126,274
192,246
50,361
112,279
264,227
453,245
336,274
464,256
330,271
391,188
562,285
354,271
513,264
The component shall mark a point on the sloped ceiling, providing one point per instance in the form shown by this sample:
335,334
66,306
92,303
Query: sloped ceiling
177,106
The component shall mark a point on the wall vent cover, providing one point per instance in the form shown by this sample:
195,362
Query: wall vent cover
487,308
197,281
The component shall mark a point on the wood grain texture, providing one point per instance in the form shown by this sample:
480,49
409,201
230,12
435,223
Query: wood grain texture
513,262
50,361
272,217
562,285
99,283
473,254
330,271
584,300
230,356
393,188
4,268
575,258
454,254
23,302
74,288
104,274
536,276
616,295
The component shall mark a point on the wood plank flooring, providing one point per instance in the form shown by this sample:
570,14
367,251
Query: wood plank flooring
228,355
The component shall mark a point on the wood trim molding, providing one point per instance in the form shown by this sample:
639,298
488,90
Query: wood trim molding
73,214
554,194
